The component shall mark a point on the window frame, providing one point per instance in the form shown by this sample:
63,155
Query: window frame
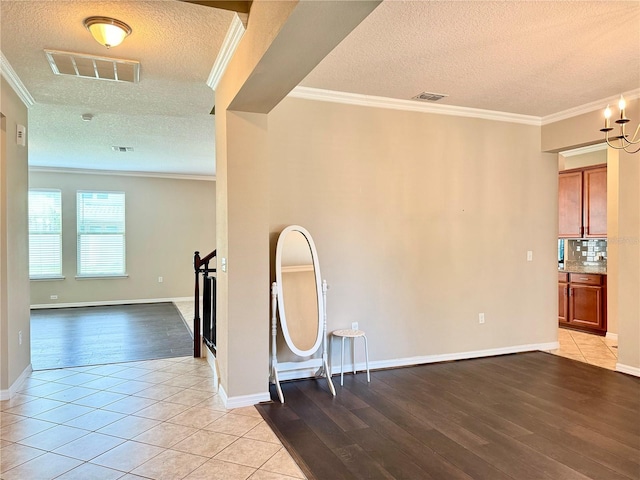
79,234
52,276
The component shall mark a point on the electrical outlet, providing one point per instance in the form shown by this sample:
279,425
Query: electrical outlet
481,318
160,279
53,297
20,337
529,255
354,326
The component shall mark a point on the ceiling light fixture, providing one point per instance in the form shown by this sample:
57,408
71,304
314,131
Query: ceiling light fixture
624,142
87,117
107,31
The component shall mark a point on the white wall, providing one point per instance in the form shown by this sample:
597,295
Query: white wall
167,220
421,222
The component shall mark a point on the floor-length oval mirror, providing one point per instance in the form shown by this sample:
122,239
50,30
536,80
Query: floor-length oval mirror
299,291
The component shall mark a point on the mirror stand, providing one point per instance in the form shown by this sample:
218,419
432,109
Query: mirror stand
324,370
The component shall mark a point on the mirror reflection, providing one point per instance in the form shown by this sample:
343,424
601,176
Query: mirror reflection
299,291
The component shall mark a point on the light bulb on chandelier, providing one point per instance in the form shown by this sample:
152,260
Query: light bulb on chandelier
624,142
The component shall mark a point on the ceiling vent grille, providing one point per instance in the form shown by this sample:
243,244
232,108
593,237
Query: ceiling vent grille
122,149
88,66
429,97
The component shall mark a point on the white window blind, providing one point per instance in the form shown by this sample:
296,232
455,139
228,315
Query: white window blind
101,234
45,233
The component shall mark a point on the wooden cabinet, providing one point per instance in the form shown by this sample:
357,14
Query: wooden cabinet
582,302
582,203
595,202
570,205
563,297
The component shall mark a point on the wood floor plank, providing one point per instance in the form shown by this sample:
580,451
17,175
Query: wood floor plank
425,457
71,337
526,416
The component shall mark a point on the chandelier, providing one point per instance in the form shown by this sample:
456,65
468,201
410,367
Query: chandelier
622,141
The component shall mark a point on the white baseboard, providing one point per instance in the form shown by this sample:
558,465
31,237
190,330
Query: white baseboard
612,336
307,369
12,390
109,302
242,400
635,371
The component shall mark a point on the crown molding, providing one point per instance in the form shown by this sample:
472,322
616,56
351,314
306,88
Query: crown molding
228,48
590,107
122,173
14,80
409,105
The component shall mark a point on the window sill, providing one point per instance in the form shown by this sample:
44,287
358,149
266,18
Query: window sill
100,277
47,279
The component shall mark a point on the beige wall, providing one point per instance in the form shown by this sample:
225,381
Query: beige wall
623,226
283,42
14,281
421,222
629,270
583,129
166,221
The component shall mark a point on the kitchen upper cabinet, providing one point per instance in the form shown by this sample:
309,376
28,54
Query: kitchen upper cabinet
570,205
582,203
595,202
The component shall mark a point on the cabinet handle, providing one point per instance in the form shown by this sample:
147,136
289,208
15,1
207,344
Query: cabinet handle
584,278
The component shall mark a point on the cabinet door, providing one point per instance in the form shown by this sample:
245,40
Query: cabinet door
585,307
595,202
563,304
570,205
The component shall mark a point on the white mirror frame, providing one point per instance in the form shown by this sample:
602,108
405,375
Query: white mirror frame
282,297
276,291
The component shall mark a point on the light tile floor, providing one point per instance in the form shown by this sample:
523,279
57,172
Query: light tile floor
158,419
588,348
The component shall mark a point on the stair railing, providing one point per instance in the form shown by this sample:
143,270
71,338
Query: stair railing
201,267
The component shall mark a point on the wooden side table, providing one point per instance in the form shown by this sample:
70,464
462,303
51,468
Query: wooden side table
352,334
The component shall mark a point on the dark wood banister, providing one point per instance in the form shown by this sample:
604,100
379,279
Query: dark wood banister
198,268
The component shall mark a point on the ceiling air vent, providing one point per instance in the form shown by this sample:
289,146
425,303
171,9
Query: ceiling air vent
88,66
122,149
429,97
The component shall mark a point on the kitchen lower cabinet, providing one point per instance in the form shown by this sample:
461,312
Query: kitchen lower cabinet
563,297
583,302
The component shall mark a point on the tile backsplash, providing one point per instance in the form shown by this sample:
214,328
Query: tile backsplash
590,252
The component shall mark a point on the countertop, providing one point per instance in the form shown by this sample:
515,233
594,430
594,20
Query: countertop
583,269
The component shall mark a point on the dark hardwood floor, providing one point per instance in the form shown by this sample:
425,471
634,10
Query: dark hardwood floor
525,416
72,337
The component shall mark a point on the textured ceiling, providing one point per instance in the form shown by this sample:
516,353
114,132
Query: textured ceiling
525,57
165,117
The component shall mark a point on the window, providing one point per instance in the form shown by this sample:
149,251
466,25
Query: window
45,233
101,243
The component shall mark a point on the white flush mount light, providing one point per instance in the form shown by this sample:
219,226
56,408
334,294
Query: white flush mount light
87,117
107,31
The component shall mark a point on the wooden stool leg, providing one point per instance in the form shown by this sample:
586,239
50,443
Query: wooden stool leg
366,356
342,364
